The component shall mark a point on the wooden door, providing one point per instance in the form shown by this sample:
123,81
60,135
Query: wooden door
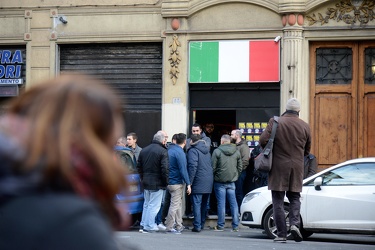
366,100
341,101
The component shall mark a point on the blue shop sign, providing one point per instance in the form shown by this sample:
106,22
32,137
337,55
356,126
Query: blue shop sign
11,67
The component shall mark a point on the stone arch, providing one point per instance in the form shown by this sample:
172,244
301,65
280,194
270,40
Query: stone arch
312,4
203,4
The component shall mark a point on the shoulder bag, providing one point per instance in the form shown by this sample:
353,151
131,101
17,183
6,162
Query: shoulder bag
263,162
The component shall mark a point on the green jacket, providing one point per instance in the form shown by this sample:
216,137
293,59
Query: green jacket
226,163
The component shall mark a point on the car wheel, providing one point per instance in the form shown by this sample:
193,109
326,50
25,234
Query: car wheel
270,226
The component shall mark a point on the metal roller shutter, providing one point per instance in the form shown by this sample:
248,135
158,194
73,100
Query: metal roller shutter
133,70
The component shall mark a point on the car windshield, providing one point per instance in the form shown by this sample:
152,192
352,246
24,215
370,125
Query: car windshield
352,174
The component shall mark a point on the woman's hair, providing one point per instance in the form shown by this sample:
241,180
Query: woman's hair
73,122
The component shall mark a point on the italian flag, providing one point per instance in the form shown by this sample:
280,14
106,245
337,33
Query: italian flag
234,61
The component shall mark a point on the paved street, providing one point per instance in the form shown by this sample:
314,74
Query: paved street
245,239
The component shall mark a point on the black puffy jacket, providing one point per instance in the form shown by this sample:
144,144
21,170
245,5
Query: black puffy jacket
153,166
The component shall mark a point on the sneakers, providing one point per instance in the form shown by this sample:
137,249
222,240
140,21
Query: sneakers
173,231
196,230
141,229
296,233
161,227
280,239
148,231
235,229
218,229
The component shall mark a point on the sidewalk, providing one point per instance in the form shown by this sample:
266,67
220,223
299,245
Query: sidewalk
211,222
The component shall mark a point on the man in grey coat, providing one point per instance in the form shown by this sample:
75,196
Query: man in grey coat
243,148
291,143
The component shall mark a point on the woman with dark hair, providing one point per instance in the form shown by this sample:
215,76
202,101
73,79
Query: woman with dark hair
57,188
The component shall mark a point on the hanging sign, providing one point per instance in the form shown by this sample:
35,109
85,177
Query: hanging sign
11,67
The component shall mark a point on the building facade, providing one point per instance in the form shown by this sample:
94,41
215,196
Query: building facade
232,63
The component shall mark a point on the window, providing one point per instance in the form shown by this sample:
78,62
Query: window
370,65
353,174
334,65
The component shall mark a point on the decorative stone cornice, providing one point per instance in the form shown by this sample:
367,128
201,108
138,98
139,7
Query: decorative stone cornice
186,8
172,8
288,6
347,12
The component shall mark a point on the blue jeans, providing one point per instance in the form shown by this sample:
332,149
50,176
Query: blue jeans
159,217
199,210
222,191
239,188
151,207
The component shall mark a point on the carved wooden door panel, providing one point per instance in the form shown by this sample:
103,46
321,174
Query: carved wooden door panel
333,102
342,101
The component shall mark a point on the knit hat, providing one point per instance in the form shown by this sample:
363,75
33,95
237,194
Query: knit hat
293,104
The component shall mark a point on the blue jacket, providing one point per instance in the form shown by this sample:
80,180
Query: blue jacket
177,165
200,168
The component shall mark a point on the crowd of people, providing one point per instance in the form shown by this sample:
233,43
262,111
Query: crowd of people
43,186
201,170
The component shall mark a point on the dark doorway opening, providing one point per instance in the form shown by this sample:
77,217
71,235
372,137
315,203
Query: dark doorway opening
224,121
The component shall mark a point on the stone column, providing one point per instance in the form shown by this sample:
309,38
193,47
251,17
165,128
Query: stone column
292,66
39,36
175,89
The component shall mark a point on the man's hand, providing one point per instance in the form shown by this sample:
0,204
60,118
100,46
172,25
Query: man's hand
188,189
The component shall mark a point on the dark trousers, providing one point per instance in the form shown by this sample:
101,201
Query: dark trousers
279,212
239,188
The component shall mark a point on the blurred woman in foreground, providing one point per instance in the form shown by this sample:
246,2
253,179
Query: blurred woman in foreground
58,177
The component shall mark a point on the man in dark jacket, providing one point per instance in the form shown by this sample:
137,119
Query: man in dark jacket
243,148
196,129
201,179
153,166
178,176
227,166
291,143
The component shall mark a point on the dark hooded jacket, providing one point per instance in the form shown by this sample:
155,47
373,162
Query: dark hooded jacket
226,163
205,138
199,168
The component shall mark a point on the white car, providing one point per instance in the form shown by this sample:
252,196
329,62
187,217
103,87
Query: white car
339,199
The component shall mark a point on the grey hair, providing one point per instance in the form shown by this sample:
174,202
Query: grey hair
159,136
122,139
225,138
238,132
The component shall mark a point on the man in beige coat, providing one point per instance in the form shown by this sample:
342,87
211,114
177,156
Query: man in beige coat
291,143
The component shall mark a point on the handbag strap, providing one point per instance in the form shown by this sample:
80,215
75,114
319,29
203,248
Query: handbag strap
274,126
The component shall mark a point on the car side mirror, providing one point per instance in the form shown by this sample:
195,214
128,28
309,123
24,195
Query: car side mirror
317,183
